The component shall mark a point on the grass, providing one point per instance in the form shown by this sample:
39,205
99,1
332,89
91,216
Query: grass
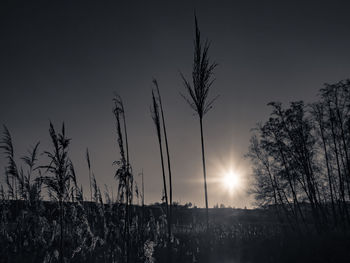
198,92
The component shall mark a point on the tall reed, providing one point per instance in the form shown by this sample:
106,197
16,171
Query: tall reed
159,98
156,119
198,92
123,173
59,183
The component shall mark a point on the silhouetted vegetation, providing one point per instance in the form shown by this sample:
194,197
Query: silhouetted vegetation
157,113
198,92
301,161
301,167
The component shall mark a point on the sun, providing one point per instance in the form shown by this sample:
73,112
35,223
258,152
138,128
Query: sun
229,178
230,181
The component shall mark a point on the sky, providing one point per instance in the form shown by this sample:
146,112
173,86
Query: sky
63,60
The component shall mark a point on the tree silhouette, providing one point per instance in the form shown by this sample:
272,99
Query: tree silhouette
300,159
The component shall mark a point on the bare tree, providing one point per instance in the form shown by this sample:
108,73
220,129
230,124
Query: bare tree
300,159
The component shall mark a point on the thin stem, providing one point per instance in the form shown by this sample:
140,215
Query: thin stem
204,174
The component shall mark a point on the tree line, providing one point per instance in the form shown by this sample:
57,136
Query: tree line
301,161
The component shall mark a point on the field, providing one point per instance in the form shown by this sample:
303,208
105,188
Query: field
292,168
94,233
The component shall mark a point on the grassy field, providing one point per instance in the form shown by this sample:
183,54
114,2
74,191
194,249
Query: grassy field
95,233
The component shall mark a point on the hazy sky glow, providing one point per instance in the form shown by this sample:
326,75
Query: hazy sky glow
62,61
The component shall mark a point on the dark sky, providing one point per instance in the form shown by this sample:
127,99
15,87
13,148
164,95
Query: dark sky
62,61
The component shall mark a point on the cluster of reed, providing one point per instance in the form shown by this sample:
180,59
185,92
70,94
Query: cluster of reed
76,228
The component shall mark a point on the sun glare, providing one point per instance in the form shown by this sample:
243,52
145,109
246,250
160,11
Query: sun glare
230,181
230,178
